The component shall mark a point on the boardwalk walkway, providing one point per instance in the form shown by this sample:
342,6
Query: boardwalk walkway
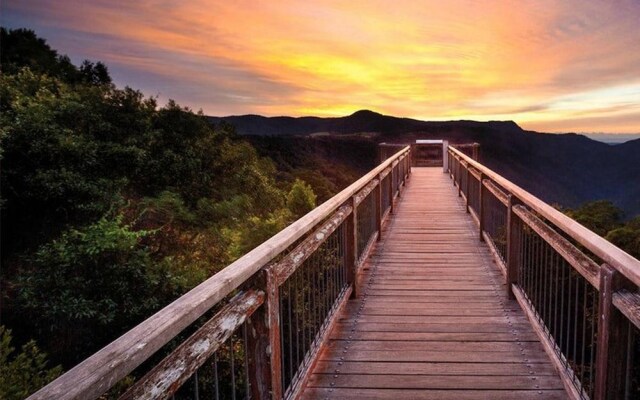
433,321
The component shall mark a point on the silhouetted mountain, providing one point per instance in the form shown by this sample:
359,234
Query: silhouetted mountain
566,169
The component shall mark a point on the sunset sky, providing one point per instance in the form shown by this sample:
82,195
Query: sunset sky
553,66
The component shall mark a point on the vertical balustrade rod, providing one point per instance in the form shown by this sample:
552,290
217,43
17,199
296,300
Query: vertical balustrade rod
391,189
467,186
454,170
377,195
459,177
513,246
481,206
399,176
351,247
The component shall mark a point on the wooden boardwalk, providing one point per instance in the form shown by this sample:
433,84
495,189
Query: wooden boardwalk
433,321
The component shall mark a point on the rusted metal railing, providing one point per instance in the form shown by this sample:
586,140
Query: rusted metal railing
580,292
263,341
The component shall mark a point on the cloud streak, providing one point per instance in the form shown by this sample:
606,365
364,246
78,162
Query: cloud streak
486,60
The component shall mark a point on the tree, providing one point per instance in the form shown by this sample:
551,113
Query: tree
627,237
301,199
95,73
23,373
600,216
21,48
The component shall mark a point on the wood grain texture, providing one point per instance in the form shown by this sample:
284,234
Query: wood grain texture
433,320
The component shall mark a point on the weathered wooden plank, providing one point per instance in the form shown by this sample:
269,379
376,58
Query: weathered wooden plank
343,332
629,304
454,328
431,382
410,345
429,311
167,377
495,191
433,356
449,394
290,263
362,194
441,369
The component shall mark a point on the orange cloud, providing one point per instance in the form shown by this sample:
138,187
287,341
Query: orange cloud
427,59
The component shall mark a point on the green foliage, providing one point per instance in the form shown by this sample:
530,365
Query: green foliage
627,237
323,187
301,199
95,73
111,206
605,219
88,283
23,373
253,231
600,216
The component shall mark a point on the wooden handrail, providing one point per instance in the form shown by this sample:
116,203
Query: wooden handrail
608,252
526,272
95,375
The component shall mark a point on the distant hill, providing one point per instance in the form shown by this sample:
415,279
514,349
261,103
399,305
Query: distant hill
567,169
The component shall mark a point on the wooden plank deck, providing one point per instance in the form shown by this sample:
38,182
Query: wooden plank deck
433,321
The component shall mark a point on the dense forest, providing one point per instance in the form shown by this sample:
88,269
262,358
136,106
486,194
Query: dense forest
113,205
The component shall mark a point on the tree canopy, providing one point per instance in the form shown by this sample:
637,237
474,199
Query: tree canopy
112,205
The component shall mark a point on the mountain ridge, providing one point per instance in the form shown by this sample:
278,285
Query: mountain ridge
566,169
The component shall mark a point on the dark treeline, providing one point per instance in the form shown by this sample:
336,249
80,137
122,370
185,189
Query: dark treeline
113,206
610,222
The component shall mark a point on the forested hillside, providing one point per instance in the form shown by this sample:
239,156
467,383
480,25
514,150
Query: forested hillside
568,169
113,205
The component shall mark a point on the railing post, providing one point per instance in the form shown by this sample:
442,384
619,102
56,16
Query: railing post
265,357
411,155
404,168
451,166
445,156
467,185
377,193
259,347
351,247
459,178
513,245
399,175
613,331
391,189
475,151
454,170
481,206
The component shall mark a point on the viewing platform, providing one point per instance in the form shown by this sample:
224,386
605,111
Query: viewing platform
431,277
